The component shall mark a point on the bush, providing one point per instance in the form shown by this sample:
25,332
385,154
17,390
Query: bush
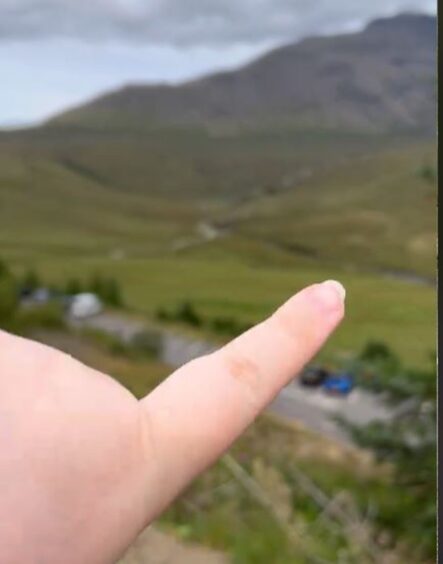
375,350
112,294
107,289
73,286
31,280
409,442
48,316
187,314
228,326
427,173
163,314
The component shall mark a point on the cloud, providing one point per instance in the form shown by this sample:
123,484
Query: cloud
191,22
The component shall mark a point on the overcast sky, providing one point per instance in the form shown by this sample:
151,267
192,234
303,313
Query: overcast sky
56,53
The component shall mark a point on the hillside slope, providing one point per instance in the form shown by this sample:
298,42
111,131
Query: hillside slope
375,211
382,78
99,181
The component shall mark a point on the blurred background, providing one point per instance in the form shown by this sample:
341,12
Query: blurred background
170,172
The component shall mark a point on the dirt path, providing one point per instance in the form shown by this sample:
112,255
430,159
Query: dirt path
156,547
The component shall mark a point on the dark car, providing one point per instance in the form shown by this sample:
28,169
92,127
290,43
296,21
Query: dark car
314,377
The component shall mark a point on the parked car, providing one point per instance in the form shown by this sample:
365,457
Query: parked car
313,377
84,305
339,384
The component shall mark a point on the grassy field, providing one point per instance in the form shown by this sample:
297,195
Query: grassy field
348,199
297,207
221,284
375,211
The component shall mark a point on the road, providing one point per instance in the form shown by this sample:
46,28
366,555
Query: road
311,407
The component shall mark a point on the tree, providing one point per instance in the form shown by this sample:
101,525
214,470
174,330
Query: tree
112,294
73,287
408,441
31,280
187,314
97,284
107,289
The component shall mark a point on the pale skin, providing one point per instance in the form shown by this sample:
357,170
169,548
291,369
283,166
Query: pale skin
84,466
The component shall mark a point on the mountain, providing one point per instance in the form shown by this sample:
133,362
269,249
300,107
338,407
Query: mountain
382,78
278,159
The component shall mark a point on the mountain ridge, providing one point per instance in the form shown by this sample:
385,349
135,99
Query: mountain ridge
382,78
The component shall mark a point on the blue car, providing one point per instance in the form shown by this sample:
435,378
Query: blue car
340,384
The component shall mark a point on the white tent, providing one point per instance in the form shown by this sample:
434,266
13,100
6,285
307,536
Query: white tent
85,305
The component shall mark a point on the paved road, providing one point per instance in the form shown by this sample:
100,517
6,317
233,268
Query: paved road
317,411
311,407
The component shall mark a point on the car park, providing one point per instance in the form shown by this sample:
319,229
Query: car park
313,377
339,384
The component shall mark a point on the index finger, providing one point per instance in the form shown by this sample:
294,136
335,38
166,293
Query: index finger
194,415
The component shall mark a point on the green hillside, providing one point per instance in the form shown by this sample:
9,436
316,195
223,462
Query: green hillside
315,161
342,199
374,211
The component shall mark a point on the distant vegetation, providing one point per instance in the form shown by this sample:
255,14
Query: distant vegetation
50,313
399,506
408,442
106,288
186,313
428,173
19,320
106,199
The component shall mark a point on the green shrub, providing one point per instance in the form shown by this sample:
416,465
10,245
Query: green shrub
47,316
163,314
31,280
107,289
73,286
375,350
427,173
186,313
228,326
111,293
409,443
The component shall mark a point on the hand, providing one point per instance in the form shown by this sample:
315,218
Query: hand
84,466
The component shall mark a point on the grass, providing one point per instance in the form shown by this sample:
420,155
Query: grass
401,314
376,211
341,198
362,201
300,207
77,201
